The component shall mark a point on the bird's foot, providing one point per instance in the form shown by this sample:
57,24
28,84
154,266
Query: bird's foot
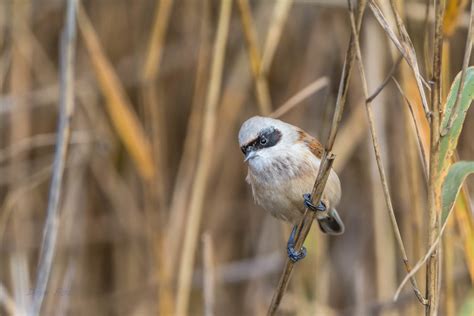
321,207
293,254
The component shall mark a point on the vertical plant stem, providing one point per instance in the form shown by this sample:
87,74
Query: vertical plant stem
326,163
280,14
205,157
209,274
378,158
261,83
66,109
434,186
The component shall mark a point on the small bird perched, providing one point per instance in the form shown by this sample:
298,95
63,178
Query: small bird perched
283,162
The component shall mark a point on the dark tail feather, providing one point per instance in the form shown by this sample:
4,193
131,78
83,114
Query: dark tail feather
332,224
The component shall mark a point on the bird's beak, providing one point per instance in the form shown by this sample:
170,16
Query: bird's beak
249,155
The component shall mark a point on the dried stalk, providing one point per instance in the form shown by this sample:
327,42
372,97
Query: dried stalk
300,96
50,231
280,14
209,274
385,81
187,163
465,65
326,162
8,302
404,45
205,157
434,185
424,160
378,158
151,66
250,32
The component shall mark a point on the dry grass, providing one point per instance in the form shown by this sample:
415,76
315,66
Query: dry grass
148,206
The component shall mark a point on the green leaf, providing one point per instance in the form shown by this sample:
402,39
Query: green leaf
452,184
467,308
449,141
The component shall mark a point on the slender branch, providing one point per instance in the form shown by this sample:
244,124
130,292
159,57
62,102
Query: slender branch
50,231
424,160
434,187
209,274
8,302
250,32
326,162
386,80
405,46
378,158
205,156
280,14
300,96
465,64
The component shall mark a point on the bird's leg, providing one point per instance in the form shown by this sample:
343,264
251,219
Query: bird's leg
293,254
321,207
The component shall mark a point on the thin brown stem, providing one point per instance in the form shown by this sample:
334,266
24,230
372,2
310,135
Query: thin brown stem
326,163
424,160
386,80
250,32
383,177
300,96
50,232
434,187
196,202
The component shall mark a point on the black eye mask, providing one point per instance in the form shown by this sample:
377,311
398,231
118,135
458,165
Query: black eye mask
269,137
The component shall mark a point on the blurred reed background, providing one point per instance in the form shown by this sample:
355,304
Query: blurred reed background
154,216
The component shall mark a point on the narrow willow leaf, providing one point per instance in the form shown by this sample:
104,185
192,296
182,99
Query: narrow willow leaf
452,184
449,141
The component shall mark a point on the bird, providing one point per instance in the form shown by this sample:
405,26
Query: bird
283,162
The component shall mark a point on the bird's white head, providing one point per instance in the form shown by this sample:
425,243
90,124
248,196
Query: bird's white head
263,139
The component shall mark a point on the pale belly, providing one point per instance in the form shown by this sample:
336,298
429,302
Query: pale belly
284,199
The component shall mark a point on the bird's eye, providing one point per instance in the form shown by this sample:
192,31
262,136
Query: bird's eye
263,140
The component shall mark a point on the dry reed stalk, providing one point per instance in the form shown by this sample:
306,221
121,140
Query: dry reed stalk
119,107
50,231
209,274
7,301
375,144
414,185
350,136
418,130
235,93
187,163
384,243
156,191
448,271
280,15
326,162
250,32
20,118
434,184
300,96
154,53
40,140
404,45
196,200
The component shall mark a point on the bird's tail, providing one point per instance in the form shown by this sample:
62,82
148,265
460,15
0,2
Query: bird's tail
331,224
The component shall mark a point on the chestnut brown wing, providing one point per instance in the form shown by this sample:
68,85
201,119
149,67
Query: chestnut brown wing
313,144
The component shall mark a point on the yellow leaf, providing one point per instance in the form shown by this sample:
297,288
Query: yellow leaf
454,10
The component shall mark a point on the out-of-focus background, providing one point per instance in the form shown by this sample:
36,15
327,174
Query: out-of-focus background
154,212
